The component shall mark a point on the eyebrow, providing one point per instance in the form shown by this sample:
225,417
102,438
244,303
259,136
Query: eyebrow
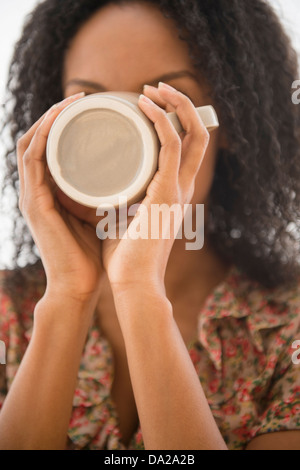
163,78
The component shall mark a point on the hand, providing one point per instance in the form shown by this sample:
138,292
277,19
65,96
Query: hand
69,247
130,262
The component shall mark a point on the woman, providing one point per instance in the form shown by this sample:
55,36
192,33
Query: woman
141,343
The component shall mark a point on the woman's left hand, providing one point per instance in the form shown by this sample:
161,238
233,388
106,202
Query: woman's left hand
131,262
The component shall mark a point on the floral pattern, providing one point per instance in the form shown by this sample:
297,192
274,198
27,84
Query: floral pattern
242,353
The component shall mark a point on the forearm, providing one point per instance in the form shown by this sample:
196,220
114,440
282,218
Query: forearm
38,407
173,410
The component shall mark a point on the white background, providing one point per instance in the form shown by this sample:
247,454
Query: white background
12,14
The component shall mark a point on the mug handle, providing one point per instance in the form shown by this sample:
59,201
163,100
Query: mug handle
206,113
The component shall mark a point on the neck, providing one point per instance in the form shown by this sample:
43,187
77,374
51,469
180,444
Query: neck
186,268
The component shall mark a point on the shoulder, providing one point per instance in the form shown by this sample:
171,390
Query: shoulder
280,299
31,275
20,290
271,315
244,296
257,337
16,282
273,318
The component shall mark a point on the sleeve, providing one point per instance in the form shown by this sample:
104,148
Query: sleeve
281,410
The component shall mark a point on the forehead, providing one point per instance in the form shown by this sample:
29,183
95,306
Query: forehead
122,45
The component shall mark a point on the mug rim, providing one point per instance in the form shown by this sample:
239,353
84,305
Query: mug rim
142,123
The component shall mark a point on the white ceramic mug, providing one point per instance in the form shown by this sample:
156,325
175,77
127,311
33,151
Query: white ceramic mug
102,147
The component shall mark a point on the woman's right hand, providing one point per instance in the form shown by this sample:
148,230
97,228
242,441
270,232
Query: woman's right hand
68,246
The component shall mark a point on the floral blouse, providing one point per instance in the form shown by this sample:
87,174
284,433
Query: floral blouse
242,353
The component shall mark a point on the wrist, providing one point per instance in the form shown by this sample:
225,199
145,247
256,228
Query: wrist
133,285
140,310
137,297
66,293
56,308
72,290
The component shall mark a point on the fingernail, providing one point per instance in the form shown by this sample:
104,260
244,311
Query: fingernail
146,87
162,85
69,98
145,99
77,95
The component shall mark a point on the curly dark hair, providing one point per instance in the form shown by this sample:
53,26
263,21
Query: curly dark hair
240,48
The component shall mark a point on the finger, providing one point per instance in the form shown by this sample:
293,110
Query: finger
196,139
170,152
153,93
34,162
22,145
40,135
186,111
25,140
